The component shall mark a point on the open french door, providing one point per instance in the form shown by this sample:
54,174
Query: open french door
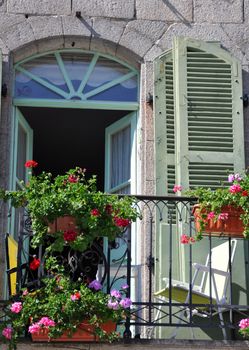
21,152
120,177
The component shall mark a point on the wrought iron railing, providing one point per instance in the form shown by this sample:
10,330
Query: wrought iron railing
149,257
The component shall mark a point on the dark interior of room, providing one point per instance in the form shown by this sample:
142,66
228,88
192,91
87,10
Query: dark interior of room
66,138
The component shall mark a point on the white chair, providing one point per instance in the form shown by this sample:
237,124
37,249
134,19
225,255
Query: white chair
217,264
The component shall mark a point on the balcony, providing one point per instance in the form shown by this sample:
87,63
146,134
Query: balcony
193,292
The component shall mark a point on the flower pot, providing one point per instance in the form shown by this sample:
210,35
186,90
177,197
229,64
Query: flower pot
84,333
63,223
231,227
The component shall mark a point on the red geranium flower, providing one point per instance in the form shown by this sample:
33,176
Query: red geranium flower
69,235
34,264
95,212
31,164
244,193
121,222
72,178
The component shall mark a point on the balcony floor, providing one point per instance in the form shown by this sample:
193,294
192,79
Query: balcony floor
137,344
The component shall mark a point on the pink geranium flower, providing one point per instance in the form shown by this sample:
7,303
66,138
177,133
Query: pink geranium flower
34,328
126,303
177,188
211,215
7,332
223,216
113,304
184,239
16,307
244,323
235,188
47,322
115,293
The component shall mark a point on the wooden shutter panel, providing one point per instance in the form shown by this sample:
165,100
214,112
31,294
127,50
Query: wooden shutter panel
164,123
208,113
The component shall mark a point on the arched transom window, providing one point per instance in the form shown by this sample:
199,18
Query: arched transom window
75,75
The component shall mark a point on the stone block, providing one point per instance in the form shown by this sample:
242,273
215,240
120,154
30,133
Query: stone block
77,42
46,27
105,8
9,21
153,53
106,34
18,36
50,44
26,51
165,10
151,29
135,41
41,7
77,26
222,11
3,5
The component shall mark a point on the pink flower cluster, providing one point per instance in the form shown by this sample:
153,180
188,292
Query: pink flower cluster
115,304
177,188
235,188
244,323
16,307
95,212
187,239
7,332
234,177
44,322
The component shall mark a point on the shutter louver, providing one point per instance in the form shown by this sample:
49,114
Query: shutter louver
170,122
209,96
211,175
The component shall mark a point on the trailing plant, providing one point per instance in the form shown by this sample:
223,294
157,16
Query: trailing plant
96,214
213,203
61,305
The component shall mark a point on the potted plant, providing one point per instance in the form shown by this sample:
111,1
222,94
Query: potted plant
62,310
244,327
224,211
92,213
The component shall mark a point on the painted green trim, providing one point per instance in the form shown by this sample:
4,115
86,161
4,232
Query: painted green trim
112,105
72,92
76,50
129,120
109,85
64,72
43,82
87,75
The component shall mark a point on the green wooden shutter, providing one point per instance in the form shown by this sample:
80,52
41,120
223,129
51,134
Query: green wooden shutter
165,124
209,117
199,133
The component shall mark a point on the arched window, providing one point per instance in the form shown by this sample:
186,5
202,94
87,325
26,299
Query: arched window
75,75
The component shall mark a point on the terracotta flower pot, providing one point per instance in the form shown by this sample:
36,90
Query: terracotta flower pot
230,227
63,223
84,333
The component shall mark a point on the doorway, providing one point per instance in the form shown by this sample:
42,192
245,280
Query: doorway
66,138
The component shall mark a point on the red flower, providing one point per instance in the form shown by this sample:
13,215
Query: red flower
244,193
69,235
31,164
95,212
121,222
72,178
34,264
